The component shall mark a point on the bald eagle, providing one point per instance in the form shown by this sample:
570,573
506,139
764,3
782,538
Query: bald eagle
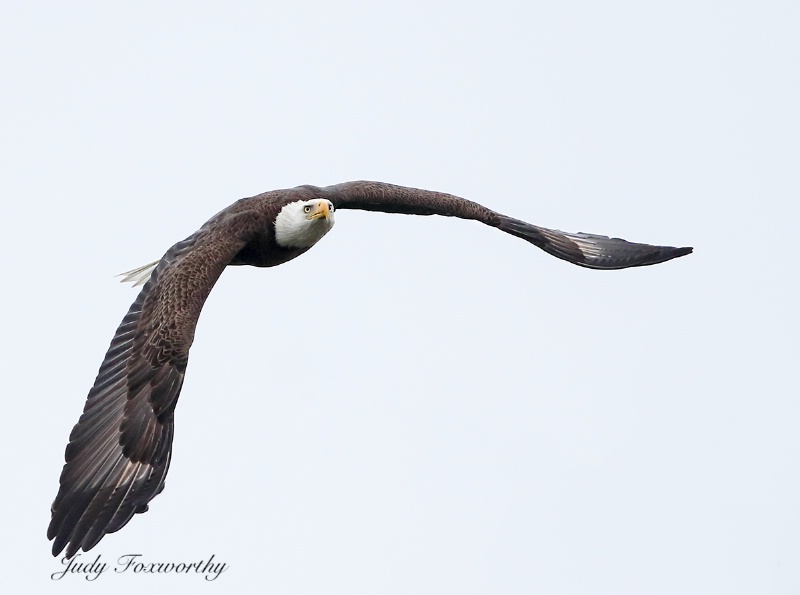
119,451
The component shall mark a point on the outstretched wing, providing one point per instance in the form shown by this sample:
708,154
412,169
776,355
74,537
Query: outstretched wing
119,451
587,250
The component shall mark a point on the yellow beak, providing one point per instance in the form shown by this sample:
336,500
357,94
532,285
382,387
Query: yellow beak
322,210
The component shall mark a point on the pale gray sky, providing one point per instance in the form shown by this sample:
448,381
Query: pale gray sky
421,405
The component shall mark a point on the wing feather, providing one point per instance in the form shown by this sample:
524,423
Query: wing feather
583,249
590,250
120,449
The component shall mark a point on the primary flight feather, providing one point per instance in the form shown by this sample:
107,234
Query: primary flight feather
119,451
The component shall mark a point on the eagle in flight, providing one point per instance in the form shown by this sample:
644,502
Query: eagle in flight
119,451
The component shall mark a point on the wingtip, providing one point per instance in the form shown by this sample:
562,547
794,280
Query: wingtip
61,543
669,253
58,545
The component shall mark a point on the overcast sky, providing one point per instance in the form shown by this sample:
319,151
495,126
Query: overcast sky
420,405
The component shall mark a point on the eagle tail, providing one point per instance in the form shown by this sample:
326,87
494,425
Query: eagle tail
139,275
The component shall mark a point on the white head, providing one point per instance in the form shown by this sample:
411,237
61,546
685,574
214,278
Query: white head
302,224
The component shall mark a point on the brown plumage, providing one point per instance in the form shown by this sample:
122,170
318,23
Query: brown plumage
119,451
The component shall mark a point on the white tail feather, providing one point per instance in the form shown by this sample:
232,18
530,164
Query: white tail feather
139,275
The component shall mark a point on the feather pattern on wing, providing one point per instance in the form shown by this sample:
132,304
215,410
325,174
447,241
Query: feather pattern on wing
583,249
119,451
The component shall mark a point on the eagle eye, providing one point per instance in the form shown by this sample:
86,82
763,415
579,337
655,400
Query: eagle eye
307,209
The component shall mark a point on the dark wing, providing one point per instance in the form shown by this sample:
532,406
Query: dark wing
583,249
119,451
